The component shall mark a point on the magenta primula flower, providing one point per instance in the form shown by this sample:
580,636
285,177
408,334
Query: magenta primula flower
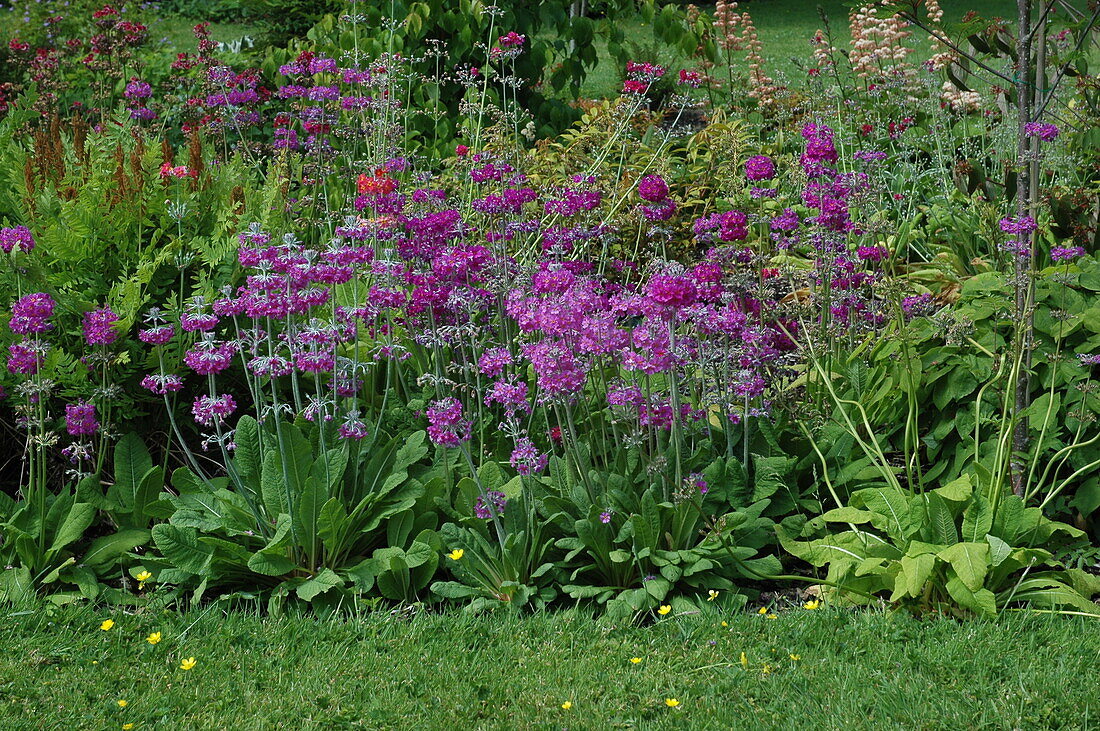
759,167
17,237
162,383
652,188
211,410
99,326
446,427
24,358
494,506
80,419
31,312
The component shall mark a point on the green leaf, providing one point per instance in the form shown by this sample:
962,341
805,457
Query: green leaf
940,521
971,562
271,563
981,601
329,469
848,515
314,496
182,548
247,457
998,550
106,549
132,462
332,525
913,575
80,516
891,504
958,490
319,584
977,520
453,590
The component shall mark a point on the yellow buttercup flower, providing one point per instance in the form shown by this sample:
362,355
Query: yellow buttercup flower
567,705
107,624
144,576
456,554
725,623
762,610
772,616
153,638
712,595
671,702
127,726
795,657
635,660
187,664
665,609
123,704
812,604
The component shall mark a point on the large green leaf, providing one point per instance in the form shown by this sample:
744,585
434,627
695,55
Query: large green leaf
72,528
891,504
182,548
319,584
941,523
106,549
132,462
981,601
247,458
913,574
977,520
971,562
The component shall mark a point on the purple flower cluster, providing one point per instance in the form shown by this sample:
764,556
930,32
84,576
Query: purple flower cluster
759,167
446,426
1043,131
99,326
80,419
486,509
31,313
213,410
16,238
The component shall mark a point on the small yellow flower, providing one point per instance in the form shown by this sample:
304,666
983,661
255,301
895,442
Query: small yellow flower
795,657
456,554
567,705
812,604
671,702
635,660
762,610
772,616
127,726
123,704
153,638
95,662
107,624
744,661
712,595
187,664
725,623
665,609
144,576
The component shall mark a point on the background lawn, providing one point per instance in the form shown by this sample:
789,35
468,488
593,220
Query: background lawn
785,28
853,670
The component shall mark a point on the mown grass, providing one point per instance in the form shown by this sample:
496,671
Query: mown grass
785,28
853,670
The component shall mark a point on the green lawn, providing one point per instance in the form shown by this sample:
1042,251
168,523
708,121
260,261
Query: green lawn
785,28
853,670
